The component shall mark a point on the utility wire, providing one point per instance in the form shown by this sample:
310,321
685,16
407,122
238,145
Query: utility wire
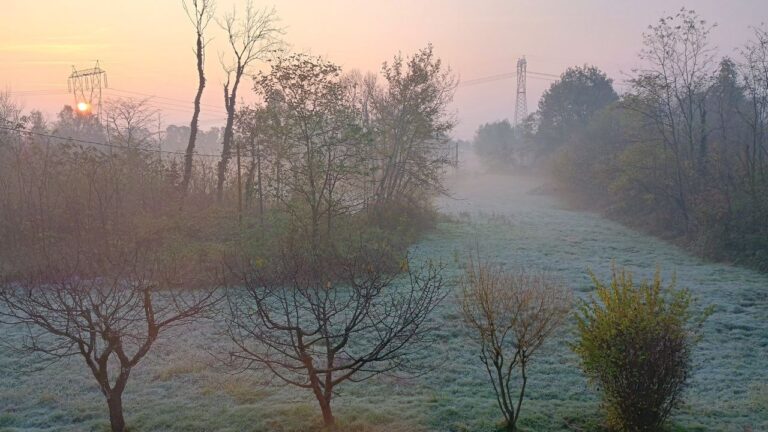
187,103
491,78
103,144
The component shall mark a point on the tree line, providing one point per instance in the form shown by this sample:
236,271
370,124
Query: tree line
681,153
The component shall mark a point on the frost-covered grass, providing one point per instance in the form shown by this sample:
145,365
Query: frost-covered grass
181,387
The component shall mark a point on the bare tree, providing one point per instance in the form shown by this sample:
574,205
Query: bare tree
511,314
110,316
130,122
200,15
251,39
754,69
316,322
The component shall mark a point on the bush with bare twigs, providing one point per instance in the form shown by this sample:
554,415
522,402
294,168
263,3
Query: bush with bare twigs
511,315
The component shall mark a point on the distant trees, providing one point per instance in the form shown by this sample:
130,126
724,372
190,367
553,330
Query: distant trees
131,123
565,111
70,124
569,104
684,152
511,315
635,343
495,142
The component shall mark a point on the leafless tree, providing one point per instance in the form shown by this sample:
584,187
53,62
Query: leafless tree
316,322
200,15
131,122
109,314
251,39
754,69
511,314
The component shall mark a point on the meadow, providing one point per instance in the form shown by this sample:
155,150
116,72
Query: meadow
182,385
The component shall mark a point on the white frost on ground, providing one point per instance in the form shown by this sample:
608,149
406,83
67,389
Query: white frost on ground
179,387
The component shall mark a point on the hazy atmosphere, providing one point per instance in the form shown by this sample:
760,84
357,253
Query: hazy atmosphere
345,216
144,44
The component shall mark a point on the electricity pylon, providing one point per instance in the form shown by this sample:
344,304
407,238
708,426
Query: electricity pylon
86,86
521,104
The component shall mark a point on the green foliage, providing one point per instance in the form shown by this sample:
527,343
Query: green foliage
494,142
569,104
635,343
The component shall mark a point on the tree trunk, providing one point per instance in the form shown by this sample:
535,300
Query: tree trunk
323,396
116,420
325,406
239,186
260,188
230,99
188,155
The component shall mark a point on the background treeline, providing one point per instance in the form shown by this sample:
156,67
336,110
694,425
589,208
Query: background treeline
681,153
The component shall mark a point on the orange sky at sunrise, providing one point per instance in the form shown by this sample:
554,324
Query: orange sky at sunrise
146,46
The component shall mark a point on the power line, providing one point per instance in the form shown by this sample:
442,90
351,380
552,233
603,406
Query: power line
103,144
50,92
171,104
163,97
487,79
509,75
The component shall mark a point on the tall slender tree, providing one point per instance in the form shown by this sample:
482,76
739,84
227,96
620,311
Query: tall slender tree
200,14
250,39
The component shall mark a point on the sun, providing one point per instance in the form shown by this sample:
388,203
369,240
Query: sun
83,107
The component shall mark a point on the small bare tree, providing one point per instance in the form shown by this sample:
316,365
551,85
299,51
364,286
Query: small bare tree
130,122
511,314
200,15
316,329
251,39
109,314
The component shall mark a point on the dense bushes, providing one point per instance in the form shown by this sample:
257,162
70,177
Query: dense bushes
635,343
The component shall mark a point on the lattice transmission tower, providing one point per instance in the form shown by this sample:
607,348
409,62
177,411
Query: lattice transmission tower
86,86
521,101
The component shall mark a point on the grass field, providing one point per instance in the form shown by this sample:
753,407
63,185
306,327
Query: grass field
182,387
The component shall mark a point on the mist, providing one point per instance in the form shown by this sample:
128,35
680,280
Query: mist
384,217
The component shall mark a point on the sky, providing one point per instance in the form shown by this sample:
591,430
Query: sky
145,46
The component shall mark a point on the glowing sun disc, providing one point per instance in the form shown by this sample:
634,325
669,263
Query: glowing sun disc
82,106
